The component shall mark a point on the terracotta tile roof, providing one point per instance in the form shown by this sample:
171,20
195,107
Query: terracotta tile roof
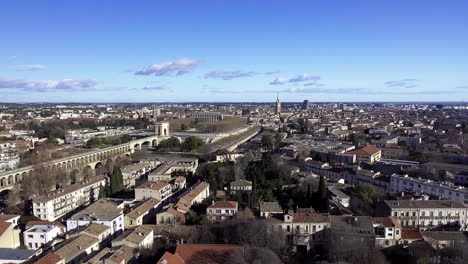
368,150
310,218
50,258
176,213
76,247
123,255
224,204
96,229
410,234
205,253
386,221
169,258
273,207
153,185
139,234
185,202
4,226
6,217
143,208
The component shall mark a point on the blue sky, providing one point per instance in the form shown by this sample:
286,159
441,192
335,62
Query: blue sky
214,51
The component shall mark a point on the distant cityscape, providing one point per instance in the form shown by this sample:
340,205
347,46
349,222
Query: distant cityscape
150,183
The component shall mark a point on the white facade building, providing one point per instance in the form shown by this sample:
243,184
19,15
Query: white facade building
444,190
37,236
58,203
427,214
156,190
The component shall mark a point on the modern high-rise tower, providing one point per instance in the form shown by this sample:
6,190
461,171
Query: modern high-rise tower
278,106
305,105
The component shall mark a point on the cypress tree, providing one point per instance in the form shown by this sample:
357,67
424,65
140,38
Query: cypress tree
322,192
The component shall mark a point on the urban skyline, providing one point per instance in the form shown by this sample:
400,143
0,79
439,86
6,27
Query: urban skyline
233,52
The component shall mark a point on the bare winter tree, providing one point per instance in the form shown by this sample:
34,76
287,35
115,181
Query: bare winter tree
253,255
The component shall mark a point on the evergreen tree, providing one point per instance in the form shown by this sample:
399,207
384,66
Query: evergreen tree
309,197
102,192
268,143
116,180
322,192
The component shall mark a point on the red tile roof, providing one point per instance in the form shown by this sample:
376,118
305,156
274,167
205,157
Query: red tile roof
169,258
368,150
4,226
223,204
50,258
6,217
410,234
205,253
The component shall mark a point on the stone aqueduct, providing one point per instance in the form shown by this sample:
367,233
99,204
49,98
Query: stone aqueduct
77,165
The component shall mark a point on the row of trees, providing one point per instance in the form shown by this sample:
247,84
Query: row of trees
58,128
190,144
97,142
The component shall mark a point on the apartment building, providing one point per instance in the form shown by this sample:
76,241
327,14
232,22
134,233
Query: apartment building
304,222
165,170
133,172
104,212
221,210
38,235
142,214
368,154
196,194
443,190
156,190
426,214
56,204
387,231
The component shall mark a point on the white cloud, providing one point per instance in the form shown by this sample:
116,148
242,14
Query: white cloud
228,75
405,83
179,67
42,86
28,67
154,88
298,78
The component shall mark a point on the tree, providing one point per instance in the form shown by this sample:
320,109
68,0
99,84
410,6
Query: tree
268,143
322,193
102,192
249,254
278,139
94,142
116,180
192,144
171,143
125,138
